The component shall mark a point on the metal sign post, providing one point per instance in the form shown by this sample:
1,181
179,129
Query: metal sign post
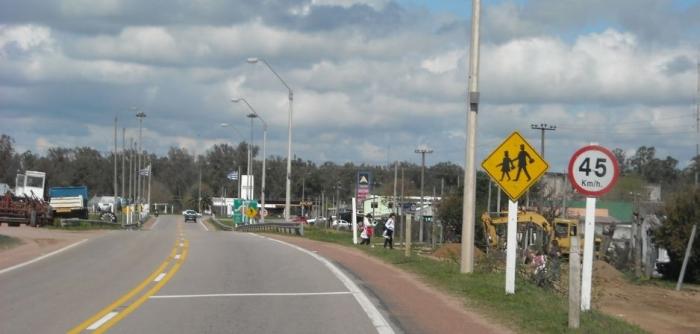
511,246
593,171
354,220
515,166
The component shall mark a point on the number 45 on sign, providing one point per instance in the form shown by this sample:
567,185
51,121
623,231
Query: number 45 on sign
593,170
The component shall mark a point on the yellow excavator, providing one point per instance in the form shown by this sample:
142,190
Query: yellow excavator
534,231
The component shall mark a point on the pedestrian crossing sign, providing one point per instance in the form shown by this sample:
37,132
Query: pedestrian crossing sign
515,166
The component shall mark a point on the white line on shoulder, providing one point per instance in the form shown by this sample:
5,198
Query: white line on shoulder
380,323
42,257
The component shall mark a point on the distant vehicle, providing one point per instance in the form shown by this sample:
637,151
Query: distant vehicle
300,220
69,201
190,215
342,224
317,220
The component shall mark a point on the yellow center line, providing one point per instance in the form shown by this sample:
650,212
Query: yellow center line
136,304
129,295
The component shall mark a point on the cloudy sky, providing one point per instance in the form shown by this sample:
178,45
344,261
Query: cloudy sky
372,79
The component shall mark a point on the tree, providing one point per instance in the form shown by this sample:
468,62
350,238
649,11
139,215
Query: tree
682,210
621,157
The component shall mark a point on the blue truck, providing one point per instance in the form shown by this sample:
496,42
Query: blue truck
69,201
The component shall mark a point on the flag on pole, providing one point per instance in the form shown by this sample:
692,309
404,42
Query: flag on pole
232,176
146,171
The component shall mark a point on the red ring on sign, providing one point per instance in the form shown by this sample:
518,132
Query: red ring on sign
616,169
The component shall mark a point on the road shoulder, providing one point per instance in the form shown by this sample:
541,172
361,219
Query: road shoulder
413,304
37,242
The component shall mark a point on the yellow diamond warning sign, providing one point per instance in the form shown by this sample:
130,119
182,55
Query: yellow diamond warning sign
515,166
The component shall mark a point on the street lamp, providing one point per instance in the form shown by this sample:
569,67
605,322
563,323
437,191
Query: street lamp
139,192
289,136
252,115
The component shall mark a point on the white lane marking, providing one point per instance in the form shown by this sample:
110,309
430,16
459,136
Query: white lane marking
42,257
380,323
156,223
160,277
101,322
177,257
280,294
204,226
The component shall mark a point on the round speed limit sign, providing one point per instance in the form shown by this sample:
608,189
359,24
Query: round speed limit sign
593,170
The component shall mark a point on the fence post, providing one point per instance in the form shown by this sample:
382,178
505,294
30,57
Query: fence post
574,283
407,248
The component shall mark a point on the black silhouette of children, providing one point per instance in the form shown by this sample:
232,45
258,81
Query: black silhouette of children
506,166
523,159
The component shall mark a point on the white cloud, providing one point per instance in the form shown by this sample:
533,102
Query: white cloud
25,37
443,63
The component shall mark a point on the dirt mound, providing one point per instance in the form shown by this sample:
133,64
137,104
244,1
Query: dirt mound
605,274
453,251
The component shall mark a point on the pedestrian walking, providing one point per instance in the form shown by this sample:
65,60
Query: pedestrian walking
366,234
389,232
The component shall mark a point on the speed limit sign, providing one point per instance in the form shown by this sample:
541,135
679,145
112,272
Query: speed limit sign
593,170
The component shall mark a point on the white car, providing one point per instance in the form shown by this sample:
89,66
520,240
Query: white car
342,224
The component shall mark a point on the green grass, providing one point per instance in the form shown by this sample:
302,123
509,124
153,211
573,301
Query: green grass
530,310
7,242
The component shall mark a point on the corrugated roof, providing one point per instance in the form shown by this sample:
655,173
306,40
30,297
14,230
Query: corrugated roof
620,210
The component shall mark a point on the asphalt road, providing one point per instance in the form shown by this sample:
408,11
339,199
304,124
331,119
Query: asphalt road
179,278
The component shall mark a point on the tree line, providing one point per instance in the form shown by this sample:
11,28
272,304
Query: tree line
176,174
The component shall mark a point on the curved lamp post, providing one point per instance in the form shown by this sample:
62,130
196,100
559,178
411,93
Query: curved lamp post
252,115
289,136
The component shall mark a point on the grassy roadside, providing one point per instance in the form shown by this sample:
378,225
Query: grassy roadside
530,310
226,222
7,242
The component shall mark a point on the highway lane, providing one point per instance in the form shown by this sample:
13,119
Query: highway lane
227,282
55,294
243,283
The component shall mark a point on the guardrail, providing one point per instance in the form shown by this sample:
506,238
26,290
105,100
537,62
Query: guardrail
291,228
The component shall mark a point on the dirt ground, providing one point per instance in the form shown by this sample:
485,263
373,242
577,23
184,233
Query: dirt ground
37,242
654,308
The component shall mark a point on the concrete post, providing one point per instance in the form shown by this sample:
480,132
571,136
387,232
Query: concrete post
407,249
574,283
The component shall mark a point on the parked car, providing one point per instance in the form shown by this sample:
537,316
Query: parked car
342,224
190,215
317,220
300,219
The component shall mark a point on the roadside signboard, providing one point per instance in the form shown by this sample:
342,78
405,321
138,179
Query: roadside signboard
515,166
364,180
593,170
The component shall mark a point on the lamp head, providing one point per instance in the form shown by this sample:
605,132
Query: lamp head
235,100
252,60
224,125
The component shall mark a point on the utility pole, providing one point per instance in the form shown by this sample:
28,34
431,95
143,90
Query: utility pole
543,127
697,126
131,170
466,264
396,173
422,150
124,162
116,158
